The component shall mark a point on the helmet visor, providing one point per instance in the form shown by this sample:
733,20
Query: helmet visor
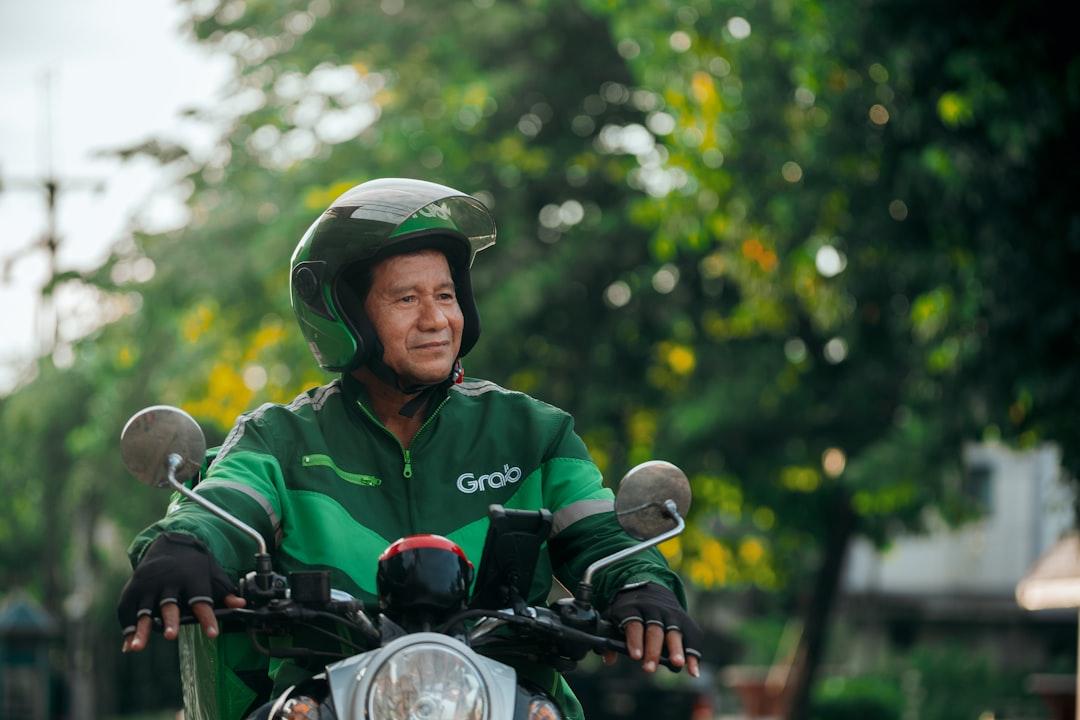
374,216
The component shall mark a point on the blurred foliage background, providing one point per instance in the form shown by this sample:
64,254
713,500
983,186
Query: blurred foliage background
803,249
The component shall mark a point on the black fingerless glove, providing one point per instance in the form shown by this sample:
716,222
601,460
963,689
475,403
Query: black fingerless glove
176,568
653,604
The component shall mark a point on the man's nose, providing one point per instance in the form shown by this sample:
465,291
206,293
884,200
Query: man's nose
432,316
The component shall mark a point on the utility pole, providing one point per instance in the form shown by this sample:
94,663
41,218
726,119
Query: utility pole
52,186
73,596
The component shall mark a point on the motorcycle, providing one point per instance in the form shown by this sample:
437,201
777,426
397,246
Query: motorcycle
432,652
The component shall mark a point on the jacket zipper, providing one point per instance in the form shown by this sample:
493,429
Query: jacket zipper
406,454
328,462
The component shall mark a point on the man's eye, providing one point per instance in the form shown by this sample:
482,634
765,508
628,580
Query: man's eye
408,299
446,296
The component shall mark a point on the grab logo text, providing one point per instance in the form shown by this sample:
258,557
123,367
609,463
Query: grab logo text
469,483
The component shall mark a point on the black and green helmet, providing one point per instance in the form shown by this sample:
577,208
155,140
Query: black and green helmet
372,221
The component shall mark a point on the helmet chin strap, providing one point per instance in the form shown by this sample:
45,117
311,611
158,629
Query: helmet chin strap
421,392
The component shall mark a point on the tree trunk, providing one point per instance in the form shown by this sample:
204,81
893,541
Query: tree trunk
815,626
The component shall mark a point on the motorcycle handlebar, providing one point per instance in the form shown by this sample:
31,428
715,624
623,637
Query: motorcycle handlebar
620,647
219,613
602,640
605,635
286,612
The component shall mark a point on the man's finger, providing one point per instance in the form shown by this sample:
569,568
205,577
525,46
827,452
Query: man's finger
675,648
170,619
692,666
235,601
654,643
609,657
142,633
634,632
204,613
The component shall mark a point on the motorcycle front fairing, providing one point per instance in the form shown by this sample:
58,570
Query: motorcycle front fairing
421,671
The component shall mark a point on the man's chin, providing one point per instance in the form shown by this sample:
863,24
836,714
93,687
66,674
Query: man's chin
429,376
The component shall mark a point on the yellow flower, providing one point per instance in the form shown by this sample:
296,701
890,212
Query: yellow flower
751,551
476,94
671,550
269,335
680,358
320,198
196,322
703,88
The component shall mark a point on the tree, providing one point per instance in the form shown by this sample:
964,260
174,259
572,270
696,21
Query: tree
866,176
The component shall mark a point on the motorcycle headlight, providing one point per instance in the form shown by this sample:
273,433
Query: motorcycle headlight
427,681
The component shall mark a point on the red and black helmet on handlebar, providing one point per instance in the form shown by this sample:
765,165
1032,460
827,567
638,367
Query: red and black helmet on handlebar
423,576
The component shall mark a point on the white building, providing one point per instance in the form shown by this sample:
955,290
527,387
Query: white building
956,586
1027,508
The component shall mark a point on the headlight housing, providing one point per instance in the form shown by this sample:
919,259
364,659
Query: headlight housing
422,676
427,681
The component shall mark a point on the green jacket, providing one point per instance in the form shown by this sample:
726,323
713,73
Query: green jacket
329,487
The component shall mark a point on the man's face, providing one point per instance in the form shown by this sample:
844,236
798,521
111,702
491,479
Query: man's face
413,306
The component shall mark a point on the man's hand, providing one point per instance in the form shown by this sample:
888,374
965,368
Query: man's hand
137,639
651,617
176,569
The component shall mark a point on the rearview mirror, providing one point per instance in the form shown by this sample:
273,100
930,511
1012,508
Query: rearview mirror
155,433
639,503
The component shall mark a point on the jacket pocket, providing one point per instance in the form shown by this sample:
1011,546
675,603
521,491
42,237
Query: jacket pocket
327,462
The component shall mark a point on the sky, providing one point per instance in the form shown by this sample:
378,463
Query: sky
81,77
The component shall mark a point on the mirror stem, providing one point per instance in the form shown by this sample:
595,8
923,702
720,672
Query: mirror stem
174,463
585,588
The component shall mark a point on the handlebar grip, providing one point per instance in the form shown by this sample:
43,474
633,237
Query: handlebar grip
611,631
159,627
620,647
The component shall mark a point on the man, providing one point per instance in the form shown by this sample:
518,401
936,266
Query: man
400,444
